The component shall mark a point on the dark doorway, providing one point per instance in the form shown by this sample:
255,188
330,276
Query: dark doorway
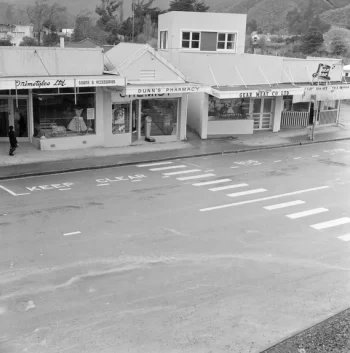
311,115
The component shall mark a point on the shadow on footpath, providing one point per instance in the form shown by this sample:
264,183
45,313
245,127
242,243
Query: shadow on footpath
329,336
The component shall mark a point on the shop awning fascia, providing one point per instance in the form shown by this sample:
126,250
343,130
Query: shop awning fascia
46,82
330,92
256,91
161,89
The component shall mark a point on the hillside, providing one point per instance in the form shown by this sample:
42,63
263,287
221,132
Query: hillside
269,14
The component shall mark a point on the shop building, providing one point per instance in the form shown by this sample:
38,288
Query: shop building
54,97
247,92
155,89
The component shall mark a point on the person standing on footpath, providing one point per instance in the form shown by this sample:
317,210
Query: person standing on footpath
13,141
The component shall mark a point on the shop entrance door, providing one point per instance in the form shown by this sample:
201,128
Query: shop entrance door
17,116
262,113
135,121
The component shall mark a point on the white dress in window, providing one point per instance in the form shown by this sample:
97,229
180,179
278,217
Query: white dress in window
77,124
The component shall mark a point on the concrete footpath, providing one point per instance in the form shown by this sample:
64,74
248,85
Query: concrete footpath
29,161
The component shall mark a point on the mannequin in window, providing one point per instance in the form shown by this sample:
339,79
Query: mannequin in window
77,124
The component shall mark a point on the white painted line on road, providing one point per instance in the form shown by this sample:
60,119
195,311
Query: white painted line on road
307,213
315,155
278,161
165,168
197,177
220,181
263,199
102,184
210,170
183,172
248,192
333,223
284,205
64,189
153,164
236,167
345,237
13,193
220,188
296,157
72,233
165,176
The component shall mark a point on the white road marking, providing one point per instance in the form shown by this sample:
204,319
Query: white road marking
332,223
13,193
165,168
72,233
135,181
248,192
263,199
153,164
183,172
345,237
210,170
315,155
197,177
236,167
228,187
103,185
278,161
220,181
307,213
284,205
296,157
64,189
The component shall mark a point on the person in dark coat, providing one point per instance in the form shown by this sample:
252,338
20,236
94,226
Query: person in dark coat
13,141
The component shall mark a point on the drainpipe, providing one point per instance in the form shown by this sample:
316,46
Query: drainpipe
62,42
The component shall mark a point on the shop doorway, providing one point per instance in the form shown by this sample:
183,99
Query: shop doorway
14,112
135,121
262,109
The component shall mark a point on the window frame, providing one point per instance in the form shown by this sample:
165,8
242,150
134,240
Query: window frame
191,32
161,39
235,34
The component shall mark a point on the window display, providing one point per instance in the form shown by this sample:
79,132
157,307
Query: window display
233,109
163,113
330,105
289,106
121,118
58,115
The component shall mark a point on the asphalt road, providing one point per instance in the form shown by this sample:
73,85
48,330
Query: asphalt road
134,259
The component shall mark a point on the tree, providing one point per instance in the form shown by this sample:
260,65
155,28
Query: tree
141,9
312,41
338,46
109,21
50,40
28,42
41,12
149,33
86,28
188,5
5,43
323,27
252,26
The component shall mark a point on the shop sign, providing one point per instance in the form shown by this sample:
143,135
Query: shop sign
324,93
162,90
24,84
259,94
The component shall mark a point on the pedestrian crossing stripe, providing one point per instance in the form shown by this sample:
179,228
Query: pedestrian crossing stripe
220,188
248,192
345,237
153,164
332,223
167,168
307,213
284,205
220,181
196,177
183,172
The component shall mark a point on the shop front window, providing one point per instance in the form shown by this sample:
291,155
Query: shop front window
121,118
58,115
232,109
330,105
289,106
163,113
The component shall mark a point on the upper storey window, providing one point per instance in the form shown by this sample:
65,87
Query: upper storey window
191,40
227,41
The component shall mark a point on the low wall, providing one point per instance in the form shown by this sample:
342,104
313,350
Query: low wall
230,127
68,143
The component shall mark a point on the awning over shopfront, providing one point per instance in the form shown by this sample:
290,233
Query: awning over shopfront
256,91
45,82
330,92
